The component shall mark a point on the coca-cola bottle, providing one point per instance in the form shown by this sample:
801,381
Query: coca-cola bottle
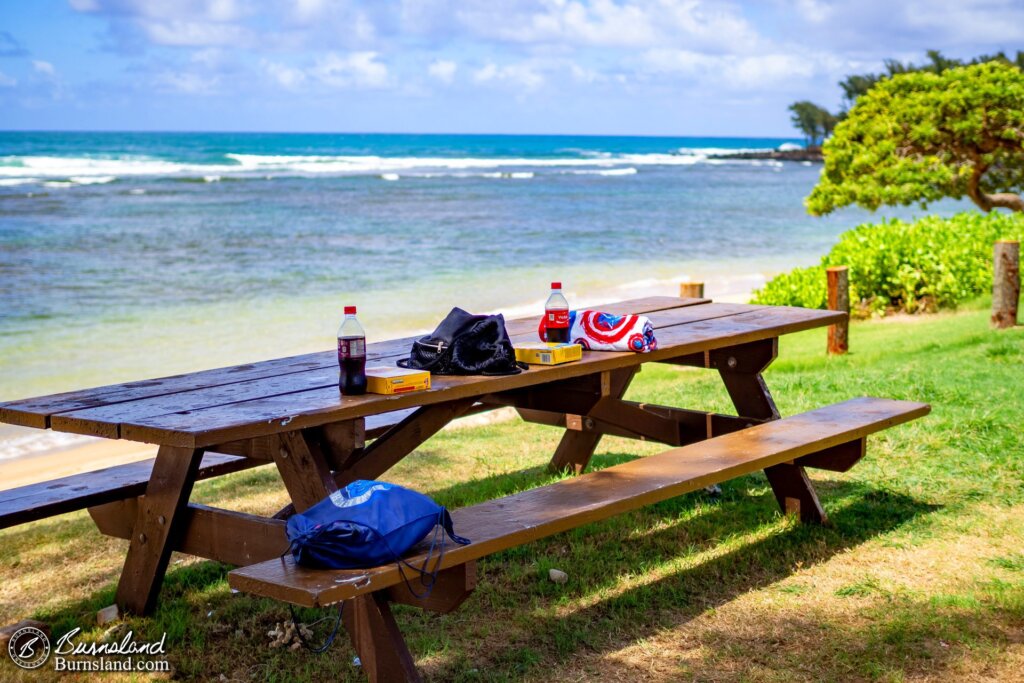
351,355
556,316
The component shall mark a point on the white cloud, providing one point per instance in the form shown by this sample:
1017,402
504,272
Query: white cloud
605,23
442,70
357,69
521,75
188,83
44,68
286,76
814,11
183,33
761,72
7,81
194,10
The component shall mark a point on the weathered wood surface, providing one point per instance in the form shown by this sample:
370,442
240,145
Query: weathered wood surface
244,410
226,536
106,420
87,489
304,471
374,634
838,281
35,412
514,520
691,290
576,447
79,491
157,526
1005,284
274,414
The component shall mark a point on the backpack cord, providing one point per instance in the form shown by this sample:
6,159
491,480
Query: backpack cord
295,620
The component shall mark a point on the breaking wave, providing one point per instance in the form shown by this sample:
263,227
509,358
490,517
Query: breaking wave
54,171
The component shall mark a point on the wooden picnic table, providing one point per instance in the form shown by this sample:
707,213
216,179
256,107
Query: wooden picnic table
289,412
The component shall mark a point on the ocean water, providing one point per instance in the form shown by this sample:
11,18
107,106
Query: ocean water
133,255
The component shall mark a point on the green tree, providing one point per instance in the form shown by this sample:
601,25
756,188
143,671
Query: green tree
815,122
855,85
917,137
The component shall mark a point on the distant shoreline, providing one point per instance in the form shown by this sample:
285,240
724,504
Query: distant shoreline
812,154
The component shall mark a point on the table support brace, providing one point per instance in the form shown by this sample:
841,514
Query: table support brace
749,393
157,527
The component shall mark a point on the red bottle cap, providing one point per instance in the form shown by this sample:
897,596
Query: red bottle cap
350,310
556,285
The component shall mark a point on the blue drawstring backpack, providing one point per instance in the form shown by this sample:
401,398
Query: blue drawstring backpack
367,524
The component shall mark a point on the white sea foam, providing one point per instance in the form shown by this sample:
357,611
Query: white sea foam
92,180
606,172
389,176
15,170
211,178
38,442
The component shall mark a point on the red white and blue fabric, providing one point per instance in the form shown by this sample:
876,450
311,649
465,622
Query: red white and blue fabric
596,331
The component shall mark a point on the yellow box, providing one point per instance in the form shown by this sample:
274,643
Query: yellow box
386,379
540,353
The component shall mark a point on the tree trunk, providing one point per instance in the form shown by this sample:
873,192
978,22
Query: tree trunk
987,202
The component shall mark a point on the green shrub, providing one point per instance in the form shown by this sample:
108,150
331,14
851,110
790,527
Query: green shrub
896,266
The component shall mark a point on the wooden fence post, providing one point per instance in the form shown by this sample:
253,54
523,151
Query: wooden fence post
839,300
1005,283
691,290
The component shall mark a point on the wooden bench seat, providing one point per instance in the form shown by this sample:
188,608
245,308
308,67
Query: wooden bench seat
829,438
88,489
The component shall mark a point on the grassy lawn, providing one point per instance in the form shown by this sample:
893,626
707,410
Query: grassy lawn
920,577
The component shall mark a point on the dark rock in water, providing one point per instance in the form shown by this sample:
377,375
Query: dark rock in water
812,154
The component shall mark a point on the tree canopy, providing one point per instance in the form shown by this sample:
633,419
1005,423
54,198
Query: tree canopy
920,136
815,122
855,85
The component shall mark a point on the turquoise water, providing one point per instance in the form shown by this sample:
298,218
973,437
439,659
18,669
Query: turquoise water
125,256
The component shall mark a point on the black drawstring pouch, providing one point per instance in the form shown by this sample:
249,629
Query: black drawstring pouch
465,344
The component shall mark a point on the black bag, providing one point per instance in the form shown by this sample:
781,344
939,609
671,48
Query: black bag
465,344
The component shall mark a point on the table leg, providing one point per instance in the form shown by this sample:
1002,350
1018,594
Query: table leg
577,447
368,620
749,393
375,636
157,525
304,471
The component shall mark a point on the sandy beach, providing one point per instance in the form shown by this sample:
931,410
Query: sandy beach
96,455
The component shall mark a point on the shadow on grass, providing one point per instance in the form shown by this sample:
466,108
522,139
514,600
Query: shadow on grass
599,556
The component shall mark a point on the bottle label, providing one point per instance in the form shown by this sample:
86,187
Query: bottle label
351,348
557,318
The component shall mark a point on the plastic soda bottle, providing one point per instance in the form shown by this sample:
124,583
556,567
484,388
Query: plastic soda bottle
556,316
351,355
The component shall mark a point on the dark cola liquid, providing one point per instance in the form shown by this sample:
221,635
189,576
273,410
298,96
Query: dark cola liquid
557,325
352,365
558,335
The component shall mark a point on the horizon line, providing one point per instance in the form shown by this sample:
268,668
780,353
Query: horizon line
329,132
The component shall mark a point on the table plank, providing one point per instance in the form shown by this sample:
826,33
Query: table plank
106,420
314,407
36,412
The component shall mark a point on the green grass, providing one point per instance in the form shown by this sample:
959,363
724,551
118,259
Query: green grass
920,576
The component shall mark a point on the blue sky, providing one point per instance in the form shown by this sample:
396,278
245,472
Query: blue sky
635,67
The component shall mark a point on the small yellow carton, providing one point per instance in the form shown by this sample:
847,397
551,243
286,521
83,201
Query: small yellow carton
386,379
541,353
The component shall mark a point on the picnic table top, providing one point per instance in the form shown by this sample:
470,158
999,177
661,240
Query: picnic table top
201,409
